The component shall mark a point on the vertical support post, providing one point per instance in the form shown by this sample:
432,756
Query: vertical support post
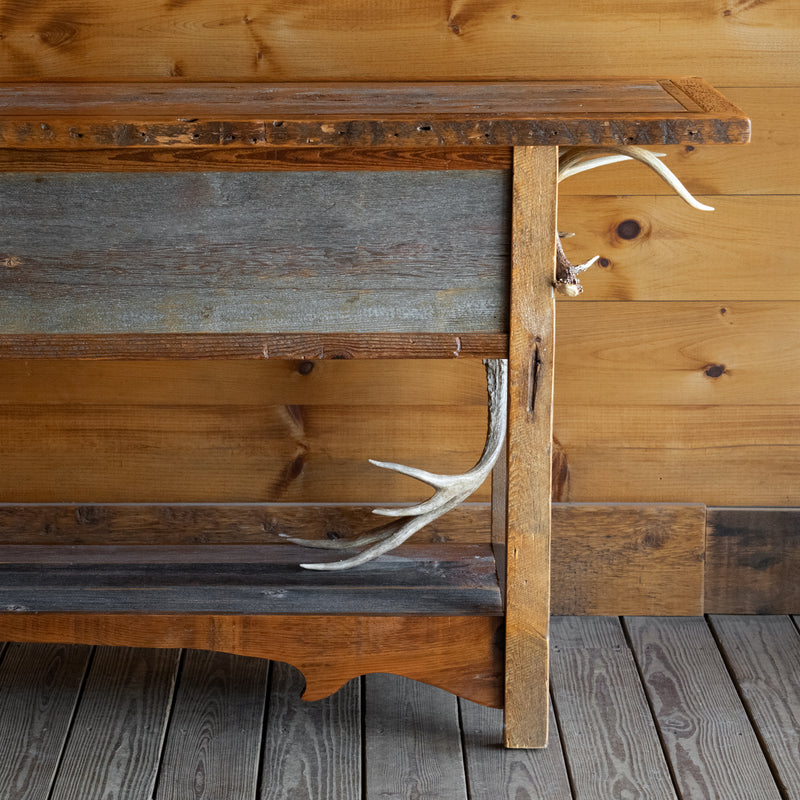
530,426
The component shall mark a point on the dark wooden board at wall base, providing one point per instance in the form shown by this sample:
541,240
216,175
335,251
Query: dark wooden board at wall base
396,114
753,561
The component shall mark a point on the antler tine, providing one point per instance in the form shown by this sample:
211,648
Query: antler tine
451,490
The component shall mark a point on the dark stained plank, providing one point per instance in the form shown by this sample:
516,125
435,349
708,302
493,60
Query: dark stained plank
39,690
321,252
704,728
752,561
214,737
763,653
494,772
312,751
246,579
412,741
607,732
397,114
115,742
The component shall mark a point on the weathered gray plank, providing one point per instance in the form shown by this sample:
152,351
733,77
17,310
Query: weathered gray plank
607,731
226,253
412,741
246,579
705,730
764,656
214,737
115,743
494,772
39,688
312,751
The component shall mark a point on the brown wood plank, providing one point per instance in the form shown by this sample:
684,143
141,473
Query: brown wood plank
214,736
530,420
39,689
323,252
312,751
420,40
254,346
428,649
494,772
114,747
399,114
245,579
608,735
705,730
752,561
412,741
618,559
763,654
651,246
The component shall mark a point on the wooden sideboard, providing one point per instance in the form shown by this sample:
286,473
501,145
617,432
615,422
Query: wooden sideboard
181,220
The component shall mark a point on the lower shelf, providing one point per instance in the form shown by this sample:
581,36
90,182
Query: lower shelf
246,579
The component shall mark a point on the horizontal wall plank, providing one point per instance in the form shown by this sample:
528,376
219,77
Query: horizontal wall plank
658,248
314,252
671,353
417,40
678,454
628,559
753,560
230,453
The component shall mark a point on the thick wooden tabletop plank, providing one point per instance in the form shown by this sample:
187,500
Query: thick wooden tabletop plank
397,114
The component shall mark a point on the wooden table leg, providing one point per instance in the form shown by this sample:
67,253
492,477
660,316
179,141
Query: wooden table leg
530,423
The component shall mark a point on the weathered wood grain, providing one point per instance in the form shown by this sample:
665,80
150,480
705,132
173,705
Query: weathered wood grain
245,579
763,654
115,741
752,561
254,346
618,559
412,741
316,252
419,40
608,735
494,772
39,690
427,649
312,751
394,114
214,736
530,426
704,728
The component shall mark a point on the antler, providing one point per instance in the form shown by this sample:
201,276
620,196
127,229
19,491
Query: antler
573,160
451,490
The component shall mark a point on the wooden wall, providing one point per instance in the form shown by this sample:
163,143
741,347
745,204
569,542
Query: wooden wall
677,378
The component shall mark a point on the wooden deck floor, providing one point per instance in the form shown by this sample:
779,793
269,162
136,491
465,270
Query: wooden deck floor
680,707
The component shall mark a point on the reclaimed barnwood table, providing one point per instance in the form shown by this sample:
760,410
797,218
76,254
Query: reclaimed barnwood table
440,257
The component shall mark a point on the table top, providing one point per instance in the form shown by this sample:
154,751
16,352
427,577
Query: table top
75,115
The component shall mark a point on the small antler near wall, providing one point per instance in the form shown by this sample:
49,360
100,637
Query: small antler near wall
450,490
573,160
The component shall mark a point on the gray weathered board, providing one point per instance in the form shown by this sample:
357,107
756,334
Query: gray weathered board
361,252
